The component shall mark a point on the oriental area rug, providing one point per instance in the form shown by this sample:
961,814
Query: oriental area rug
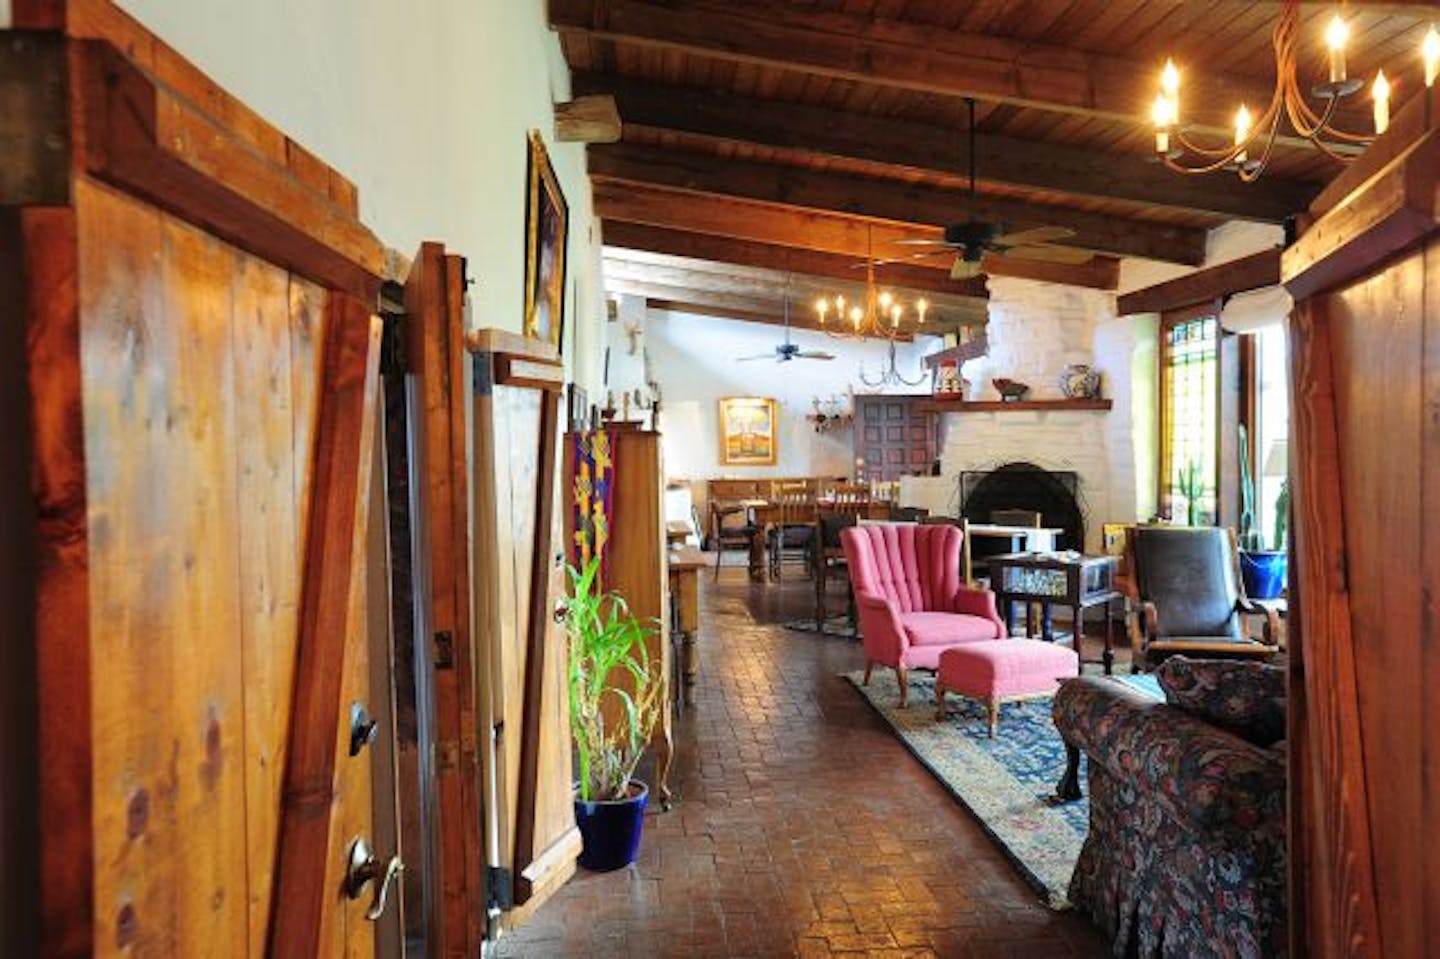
1007,783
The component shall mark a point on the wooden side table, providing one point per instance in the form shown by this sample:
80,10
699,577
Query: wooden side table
685,564
1079,582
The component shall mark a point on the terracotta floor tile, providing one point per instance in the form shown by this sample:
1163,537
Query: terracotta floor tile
802,827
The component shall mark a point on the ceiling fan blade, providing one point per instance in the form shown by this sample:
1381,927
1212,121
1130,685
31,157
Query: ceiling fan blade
908,258
814,355
751,359
964,269
1050,254
1040,234
916,241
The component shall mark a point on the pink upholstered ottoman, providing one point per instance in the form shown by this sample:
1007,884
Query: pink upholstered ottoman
1003,670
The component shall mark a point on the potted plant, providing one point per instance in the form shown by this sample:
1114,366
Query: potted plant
1261,570
1190,483
616,694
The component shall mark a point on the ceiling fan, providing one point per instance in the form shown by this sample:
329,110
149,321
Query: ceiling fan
972,240
787,351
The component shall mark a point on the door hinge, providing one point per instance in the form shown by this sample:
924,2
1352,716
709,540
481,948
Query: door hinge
444,649
500,886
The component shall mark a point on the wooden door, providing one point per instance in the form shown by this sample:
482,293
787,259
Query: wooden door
198,383
1365,563
436,375
516,536
893,438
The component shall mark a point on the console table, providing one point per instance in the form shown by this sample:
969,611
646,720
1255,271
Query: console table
1079,582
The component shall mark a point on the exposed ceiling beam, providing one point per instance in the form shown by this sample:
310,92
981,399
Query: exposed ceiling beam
801,292
904,55
885,199
721,305
810,230
784,259
1214,283
926,146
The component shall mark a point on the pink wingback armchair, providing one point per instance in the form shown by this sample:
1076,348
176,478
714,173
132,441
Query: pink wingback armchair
911,601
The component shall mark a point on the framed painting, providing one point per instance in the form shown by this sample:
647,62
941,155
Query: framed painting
747,431
547,221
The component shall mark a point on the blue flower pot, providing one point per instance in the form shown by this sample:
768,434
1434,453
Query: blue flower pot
1263,572
611,829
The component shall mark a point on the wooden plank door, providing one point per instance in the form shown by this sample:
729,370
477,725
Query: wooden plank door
516,534
893,438
436,374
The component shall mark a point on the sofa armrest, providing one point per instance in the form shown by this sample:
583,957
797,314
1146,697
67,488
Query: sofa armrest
978,602
1204,777
877,611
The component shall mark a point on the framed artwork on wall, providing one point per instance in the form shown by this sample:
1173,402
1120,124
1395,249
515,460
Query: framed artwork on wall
747,431
547,220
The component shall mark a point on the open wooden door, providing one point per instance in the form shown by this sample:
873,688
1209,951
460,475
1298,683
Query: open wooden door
436,377
199,396
517,386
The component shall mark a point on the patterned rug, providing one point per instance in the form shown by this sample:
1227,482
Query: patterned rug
1008,783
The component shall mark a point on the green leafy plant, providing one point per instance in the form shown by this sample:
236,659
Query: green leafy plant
1250,536
1282,514
1190,483
616,687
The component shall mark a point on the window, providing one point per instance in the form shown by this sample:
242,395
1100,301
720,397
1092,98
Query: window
1189,398
1272,428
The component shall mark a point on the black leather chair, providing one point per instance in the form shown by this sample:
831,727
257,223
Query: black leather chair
1189,598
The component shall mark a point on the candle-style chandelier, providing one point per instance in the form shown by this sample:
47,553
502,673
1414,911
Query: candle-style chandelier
1254,136
881,314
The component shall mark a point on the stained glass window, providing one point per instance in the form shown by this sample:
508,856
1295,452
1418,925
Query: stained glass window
1191,382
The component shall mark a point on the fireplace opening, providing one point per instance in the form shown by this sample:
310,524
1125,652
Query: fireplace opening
1024,486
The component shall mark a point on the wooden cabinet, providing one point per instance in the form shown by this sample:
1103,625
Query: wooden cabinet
635,557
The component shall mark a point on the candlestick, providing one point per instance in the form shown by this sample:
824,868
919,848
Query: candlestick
1242,132
1381,91
1336,34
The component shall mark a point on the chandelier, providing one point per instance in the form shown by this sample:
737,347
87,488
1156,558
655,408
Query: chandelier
1250,147
879,315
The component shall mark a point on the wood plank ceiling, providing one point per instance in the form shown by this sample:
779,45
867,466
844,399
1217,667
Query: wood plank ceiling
801,136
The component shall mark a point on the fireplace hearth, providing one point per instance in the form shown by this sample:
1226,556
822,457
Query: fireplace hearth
1054,494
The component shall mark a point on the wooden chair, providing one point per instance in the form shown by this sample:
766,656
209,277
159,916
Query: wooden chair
1017,517
830,563
730,528
1188,596
792,537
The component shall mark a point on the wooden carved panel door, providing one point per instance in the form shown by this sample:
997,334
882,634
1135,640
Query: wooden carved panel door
893,438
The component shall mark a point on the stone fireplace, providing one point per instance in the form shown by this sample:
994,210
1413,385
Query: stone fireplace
1034,330
1025,486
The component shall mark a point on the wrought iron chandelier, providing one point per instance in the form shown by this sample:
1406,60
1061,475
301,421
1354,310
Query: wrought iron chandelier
881,315
1250,147
890,374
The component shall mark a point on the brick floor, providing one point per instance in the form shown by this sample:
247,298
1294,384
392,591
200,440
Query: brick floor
803,827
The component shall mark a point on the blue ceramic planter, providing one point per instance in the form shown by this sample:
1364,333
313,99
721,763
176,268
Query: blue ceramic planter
1263,573
611,829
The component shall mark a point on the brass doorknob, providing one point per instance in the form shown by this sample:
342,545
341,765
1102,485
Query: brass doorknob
363,869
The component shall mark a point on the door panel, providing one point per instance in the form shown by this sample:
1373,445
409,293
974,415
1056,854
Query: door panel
893,438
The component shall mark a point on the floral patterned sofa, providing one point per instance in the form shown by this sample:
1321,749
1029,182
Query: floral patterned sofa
1186,850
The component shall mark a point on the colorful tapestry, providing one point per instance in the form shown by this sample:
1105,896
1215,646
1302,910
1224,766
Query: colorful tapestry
594,494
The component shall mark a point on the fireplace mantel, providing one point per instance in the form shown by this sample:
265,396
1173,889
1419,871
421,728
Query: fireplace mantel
943,405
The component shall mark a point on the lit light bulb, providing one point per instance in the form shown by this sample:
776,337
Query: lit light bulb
822,306
1430,53
1161,116
921,306
895,313
1170,79
1242,131
1337,34
1381,91
839,306
885,299
856,315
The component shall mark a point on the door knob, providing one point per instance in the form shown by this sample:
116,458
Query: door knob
363,869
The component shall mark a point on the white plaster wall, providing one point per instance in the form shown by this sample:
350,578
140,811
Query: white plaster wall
426,107
692,358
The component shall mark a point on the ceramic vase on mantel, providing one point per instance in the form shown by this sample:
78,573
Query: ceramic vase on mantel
1080,381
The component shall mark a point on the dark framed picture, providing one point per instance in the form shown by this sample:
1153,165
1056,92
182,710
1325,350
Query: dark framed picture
579,412
547,221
